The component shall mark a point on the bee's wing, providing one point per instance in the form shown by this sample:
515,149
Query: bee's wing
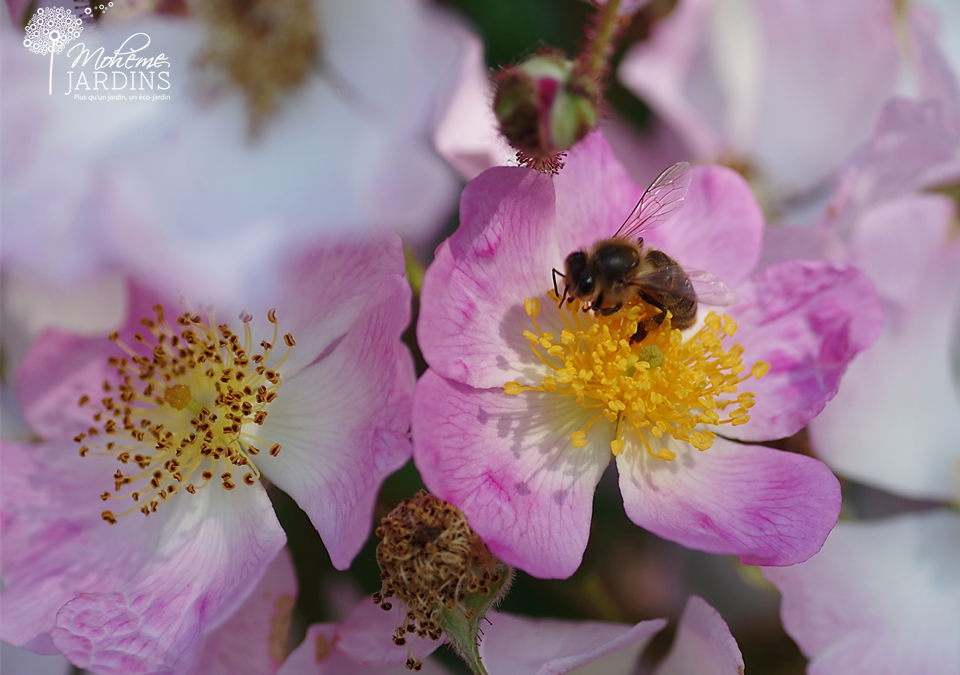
662,199
703,287
710,289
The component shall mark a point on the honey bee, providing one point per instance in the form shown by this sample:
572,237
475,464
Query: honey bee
619,269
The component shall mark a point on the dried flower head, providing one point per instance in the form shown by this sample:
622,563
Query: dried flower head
439,569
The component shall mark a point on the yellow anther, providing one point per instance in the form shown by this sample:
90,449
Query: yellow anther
664,454
760,368
729,326
512,388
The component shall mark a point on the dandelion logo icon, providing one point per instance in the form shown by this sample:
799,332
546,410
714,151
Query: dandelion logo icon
49,30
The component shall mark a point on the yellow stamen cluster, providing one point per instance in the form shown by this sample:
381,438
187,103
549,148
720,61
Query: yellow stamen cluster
183,404
664,385
430,560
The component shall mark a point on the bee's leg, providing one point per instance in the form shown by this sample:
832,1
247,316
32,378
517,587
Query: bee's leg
648,325
607,311
596,303
640,334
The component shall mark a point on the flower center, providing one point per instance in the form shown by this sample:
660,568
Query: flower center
663,385
186,413
265,48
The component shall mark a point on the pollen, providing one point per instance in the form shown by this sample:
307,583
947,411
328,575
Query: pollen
665,385
184,406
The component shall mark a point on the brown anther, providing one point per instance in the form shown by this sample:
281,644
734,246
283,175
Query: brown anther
105,496
84,400
260,417
249,479
275,450
84,450
288,338
206,475
272,316
109,517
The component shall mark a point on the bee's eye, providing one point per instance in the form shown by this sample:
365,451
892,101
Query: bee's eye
586,285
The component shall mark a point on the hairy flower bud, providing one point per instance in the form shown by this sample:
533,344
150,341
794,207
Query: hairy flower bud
440,571
544,105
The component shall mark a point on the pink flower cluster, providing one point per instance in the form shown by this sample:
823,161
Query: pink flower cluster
137,496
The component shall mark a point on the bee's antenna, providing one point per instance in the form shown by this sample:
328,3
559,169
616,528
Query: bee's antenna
555,274
556,290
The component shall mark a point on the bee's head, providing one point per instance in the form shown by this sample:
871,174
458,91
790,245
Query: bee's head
580,284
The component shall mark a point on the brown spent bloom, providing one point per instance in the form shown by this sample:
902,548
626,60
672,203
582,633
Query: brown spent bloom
430,561
266,48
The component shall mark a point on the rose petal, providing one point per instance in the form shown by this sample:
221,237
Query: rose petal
807,319
472,301
515,645
214,548
911,138
769,82
342,424
896,419
31,306
594,195
881,597
324,289
366,637
60,368
507,462
254,640
56,546
703,645
766,506
657,69
319,654
468,136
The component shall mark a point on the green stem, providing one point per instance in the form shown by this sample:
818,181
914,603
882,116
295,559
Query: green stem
462,625
600,46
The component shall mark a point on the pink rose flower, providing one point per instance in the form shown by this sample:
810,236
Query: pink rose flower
500,431
787,90
165,183
883,596
179,416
